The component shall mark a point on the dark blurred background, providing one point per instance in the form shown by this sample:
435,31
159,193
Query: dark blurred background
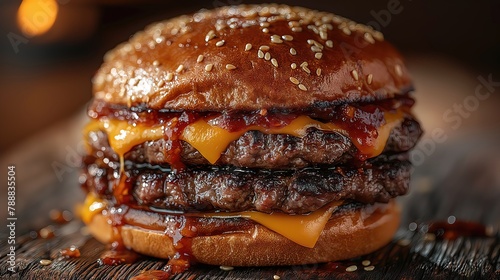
47,63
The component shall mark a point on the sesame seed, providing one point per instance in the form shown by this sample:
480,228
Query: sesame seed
306,70
369,38
323,34
294,81
263,112
429,237
369,79
45,262
318,55
265,30
264,24
287,37
302,87
318,72
337,19
276,277
378,35
366,262
200,58
328,26
274,62
346,31
313,28
329,43
404,242
293,23
264,12
304,64
315,43
264,48
180,68
315,49
276,39
293,51
248,47
220,43
209,67
297,29
354,74
156,63
161,83
219,26
260,54
169,77
210,35
369,268
399,72
226,268
351,268
267,56
293,65
230,67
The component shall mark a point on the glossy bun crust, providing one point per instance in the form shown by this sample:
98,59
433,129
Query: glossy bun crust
211,61
346,235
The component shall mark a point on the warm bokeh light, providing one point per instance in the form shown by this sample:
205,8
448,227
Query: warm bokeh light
35,17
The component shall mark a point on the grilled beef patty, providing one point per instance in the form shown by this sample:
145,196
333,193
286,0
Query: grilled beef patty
255,149
237,189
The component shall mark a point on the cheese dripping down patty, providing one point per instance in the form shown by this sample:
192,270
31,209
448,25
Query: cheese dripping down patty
301,229
211,141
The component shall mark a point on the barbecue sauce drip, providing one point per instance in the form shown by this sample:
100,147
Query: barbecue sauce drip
361,120
181,230
173,147
122,188
452,231
153,275
117,253
70,252
181,234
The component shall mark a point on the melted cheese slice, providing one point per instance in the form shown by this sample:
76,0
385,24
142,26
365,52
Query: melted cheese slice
211,141
301,229
122,136
91,207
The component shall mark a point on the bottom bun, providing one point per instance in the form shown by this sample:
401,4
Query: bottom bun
346,235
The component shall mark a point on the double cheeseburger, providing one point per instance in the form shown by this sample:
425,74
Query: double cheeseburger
250,135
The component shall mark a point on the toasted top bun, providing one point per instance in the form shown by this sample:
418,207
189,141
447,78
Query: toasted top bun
251,57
